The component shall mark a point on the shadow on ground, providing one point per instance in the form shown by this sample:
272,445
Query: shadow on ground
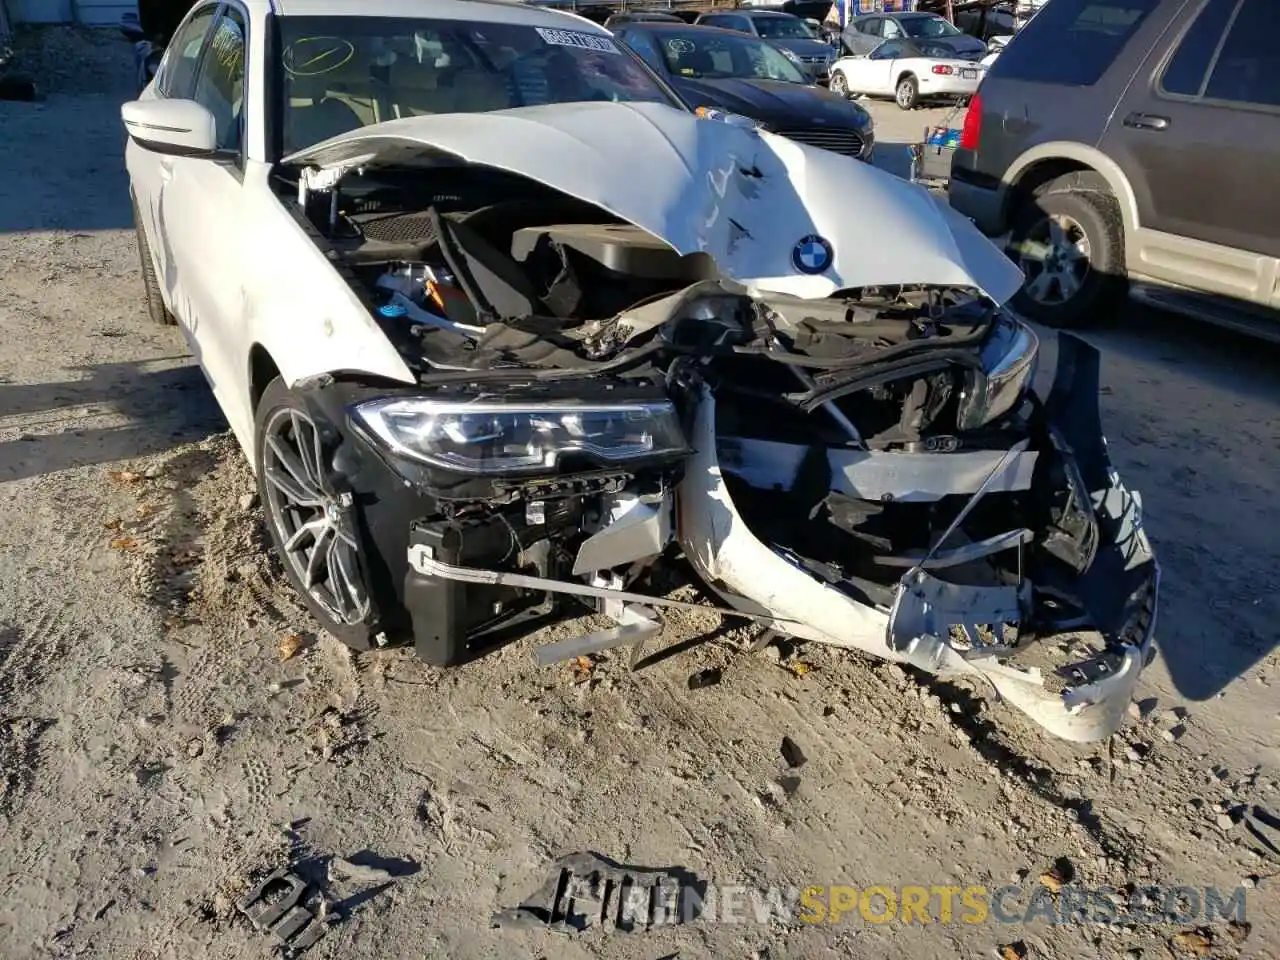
163,408
1193,415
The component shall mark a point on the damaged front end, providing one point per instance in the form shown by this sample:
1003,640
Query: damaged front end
842,453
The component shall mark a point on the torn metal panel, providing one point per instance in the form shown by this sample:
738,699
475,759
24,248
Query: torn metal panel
929,607
587,891
635,529
875,475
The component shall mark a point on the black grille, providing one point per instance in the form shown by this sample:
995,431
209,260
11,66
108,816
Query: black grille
397,227
836,139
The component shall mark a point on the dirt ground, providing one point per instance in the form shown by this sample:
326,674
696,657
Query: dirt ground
171,726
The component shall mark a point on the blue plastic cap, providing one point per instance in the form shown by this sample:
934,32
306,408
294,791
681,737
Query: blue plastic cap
392,310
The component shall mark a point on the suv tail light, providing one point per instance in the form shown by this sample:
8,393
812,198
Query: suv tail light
971,132
943,70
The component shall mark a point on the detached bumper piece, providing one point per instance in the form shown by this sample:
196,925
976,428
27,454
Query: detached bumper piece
275,907
586,891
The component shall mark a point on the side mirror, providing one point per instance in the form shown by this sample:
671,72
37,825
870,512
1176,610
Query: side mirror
179,127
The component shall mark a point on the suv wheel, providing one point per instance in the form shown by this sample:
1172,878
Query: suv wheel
839,85
1069,242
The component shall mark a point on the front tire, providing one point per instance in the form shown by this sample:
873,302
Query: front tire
1069,242
313,531
156,309
839,84
907,95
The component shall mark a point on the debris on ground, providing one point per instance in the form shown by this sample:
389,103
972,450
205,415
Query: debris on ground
1012,951
792,754
275,907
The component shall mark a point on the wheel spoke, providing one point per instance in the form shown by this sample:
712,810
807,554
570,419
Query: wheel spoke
317,561
287,484
1040,286
311,529
1057,236
345,583
308,442
1068,284
289,460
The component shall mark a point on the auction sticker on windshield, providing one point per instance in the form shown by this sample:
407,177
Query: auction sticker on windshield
575,38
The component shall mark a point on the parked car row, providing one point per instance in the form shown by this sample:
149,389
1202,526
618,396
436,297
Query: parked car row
500,322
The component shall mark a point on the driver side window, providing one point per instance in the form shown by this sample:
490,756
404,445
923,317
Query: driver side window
889,50
220,88
870,26
178,73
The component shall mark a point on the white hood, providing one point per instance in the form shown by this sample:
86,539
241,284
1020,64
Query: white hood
693,183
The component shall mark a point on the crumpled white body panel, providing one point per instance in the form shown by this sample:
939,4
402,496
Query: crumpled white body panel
743,197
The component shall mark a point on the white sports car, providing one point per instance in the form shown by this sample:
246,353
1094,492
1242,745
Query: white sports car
908,71
499,322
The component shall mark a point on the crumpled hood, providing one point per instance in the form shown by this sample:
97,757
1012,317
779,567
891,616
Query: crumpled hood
747,199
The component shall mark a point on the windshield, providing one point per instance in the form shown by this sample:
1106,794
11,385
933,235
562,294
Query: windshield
783,28
716,56
922,27
341,73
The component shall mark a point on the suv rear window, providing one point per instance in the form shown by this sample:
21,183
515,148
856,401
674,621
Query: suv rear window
1243,68
1072,41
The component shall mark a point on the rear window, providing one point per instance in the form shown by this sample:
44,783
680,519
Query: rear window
1243,67
1072,42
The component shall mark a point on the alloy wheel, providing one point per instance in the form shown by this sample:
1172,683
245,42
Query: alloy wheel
839,85
316,541
1054,258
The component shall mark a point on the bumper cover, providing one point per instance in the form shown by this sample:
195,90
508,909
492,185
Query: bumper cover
938,626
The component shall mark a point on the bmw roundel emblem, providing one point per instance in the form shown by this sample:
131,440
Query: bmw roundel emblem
813,254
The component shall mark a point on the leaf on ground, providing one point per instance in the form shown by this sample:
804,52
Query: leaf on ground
290,644
800,667
582,668
124,476
1052,880
124,543
1013,951
1195,942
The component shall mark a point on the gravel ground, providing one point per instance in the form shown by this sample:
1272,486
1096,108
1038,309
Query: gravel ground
170,726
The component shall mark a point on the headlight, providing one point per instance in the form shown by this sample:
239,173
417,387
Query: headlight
502,438
1009,363
725,116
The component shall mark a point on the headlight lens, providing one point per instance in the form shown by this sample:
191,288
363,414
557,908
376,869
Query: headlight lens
725,116
1009,361
502,438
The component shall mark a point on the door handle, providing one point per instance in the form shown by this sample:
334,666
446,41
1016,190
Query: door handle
1146,121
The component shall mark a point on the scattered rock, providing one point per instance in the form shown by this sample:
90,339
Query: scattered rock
340,869
896,674
290,644
792,754
1173,734
248,501
705,678
1250,881
1224,821
195,748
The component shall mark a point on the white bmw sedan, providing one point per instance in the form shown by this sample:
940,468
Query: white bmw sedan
501,323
